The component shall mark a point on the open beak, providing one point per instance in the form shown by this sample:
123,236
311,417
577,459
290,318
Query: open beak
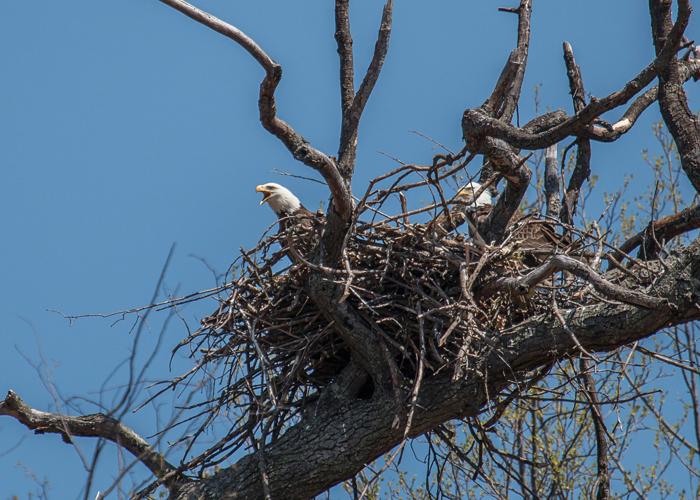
266,193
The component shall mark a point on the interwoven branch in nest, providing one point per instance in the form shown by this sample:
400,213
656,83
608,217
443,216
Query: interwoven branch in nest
434,299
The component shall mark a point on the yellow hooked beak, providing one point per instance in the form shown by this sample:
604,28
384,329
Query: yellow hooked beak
266,193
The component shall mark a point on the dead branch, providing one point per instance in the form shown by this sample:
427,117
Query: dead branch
351,119
295,143
673,102
517,174
512,96
557,263
582,169
343,38
663,230
476,122
551,182
95,425
503,100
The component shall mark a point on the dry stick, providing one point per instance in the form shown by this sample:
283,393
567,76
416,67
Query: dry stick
404,207
665,229
351,118
558,263
582,170
475,121
410,168
668,360
603,472
295,143
95,425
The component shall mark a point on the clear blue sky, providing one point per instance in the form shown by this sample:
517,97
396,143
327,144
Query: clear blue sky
126,127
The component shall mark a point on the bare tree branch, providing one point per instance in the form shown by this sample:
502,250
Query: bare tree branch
351,119
660,231
605,132
603,472
295,143
551,181
503,101
476,122
517,176
343,38
355,434
582,170
513,95
681,121
565,263
95,425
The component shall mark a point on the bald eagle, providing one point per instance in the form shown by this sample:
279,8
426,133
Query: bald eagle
464,207
466,196
285,204
475,206
537,238
298,224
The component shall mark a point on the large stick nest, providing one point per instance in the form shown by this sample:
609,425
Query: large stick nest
422,288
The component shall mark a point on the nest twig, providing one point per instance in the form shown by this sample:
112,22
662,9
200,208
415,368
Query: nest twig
275,352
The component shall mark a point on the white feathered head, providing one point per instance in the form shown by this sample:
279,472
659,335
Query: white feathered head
280,199
466,196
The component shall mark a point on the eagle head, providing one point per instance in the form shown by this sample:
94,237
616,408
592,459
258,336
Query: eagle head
466,196
281,200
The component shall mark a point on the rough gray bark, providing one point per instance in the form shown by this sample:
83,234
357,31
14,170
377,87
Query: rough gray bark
340,432
339,438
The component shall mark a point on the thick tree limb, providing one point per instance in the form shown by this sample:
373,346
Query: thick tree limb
95,425
503,101
338,440
612,132
513,95
361,335
681,122
295,143
517,176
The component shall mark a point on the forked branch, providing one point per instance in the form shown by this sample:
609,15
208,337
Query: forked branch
582,170
352,115
295,143
557,263
95,425
478,123
659,232
681,121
